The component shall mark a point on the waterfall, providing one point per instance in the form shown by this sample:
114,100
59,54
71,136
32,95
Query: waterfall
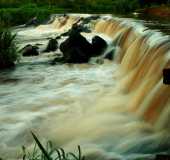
118,110
143,56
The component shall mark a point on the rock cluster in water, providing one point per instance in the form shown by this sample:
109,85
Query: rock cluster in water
76,48
30,50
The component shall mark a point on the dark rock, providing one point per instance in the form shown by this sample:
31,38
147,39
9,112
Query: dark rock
109,55
84,28
77,28
80,27
52,45
30,50
59,37
109,52
99,45
95,17
89,19
64,34
76,49
38,44
6,64
162,157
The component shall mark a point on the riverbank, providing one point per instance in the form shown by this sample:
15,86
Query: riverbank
13,16
15,13
157,12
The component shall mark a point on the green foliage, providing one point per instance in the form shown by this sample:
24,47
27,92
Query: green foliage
17,12
125,6
8,49
21,15
49,152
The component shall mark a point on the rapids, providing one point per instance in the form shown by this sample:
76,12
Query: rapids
117,110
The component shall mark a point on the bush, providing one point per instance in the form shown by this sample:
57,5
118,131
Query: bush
8,49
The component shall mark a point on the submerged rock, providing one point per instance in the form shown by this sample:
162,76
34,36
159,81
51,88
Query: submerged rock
109,55
58,37
30,50
110,52
96,60
52,45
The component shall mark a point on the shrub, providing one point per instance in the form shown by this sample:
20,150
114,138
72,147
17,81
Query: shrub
8,49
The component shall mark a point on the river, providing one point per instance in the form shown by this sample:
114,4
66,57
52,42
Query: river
116,110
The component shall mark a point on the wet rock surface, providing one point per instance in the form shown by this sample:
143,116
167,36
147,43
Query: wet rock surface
30,50
52,45
77,49
6,65
99,45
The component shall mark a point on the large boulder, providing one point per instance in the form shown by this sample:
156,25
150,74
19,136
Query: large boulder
99,45
76,49
52,45
30,50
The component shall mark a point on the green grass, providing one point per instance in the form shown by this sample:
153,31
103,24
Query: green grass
49,152
8,49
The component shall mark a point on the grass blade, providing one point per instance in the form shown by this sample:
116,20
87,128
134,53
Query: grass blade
41,147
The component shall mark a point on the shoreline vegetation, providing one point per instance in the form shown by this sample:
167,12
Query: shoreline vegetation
17,12
8,49
162,11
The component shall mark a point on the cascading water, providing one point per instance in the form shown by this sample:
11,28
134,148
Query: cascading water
117,110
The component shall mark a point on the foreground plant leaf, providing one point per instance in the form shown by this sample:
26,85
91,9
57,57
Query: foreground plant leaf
41,147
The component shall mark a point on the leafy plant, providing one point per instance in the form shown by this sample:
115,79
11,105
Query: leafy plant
8,49
49,152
